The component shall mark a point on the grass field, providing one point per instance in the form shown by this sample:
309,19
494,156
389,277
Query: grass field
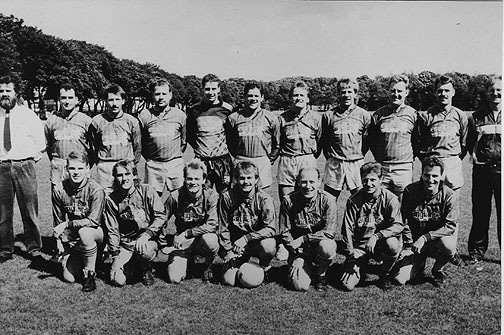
34,300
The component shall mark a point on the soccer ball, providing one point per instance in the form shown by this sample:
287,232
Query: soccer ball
250,275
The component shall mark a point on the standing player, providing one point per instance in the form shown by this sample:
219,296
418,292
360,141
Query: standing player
253,133
77,205
21,144
206,133
430,213
308,223
116,136
134,216
484,144
344,132
391,136
372,227
163,139
66,131
300,132
247,226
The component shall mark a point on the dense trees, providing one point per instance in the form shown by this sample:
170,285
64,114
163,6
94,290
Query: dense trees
44,62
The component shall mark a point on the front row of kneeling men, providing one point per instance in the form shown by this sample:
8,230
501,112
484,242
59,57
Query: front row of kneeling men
241,224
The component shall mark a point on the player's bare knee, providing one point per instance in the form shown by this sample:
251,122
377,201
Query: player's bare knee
210,242
447,245
68,277
268,247
301,282
393,246
229,277
326,249
175,275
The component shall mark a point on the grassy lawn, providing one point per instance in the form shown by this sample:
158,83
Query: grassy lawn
34,300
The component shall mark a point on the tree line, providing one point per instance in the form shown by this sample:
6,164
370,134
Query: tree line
43,62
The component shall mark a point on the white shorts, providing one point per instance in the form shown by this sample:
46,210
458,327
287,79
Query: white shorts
453,177
397,176
170,173
289,166
264,166
339,173
58,171
104,176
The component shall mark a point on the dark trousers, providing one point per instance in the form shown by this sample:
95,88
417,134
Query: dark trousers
486,183
19,179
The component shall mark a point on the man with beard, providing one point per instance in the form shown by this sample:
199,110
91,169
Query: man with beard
21,144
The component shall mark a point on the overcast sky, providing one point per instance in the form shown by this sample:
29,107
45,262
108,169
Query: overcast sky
269,40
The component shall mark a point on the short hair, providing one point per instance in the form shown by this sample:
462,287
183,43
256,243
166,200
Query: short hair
67,87
433,161
310,168
14,79
128,165
195,164
443,80
250,85
158,81
401,78
114,89
246,166
210,78
299,84
78,156
371,167
347,82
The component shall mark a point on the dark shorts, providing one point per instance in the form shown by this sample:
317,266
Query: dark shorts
219,171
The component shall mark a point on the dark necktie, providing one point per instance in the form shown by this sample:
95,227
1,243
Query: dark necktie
6,132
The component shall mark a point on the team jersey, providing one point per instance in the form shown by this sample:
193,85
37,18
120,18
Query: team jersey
314,218
484,138
442,132
367,215
205,129
194,216
392,133
252,217
344,133
129,215
116,139
66,134
431,216
300,133
163,134
81,206
253,136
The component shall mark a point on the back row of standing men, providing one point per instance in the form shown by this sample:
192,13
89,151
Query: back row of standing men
395,134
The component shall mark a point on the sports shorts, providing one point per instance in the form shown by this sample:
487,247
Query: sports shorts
104,176
264,166
218,170
58,171
453,176
289,166
171,173
338,173
397,176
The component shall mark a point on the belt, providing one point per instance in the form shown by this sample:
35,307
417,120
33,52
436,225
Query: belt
10,161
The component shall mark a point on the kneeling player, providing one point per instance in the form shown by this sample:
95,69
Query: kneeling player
134,215
308,220
247,227
430,211
195,210
372,227
77,205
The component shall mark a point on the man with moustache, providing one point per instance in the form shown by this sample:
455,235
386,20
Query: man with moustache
116,136
163,139
21,144
308,225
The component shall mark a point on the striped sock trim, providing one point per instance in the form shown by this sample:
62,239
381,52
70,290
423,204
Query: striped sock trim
90,252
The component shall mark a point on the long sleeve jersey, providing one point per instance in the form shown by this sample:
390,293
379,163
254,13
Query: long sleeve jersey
252,217
129,215
392,133
300,134
344,133
314,218
365,216
194,216
257,135
431,216
205,129
116,138
442,132
80,206
163,134
66,134
484,138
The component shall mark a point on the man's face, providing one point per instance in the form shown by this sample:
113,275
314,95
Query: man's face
124,178
78,171
494,93
445,94
299,98
114,103
247,181
67,99
371,183
347,96
211,92
253,99
431,178
8,97
398,93
194,181
162,96
309,183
